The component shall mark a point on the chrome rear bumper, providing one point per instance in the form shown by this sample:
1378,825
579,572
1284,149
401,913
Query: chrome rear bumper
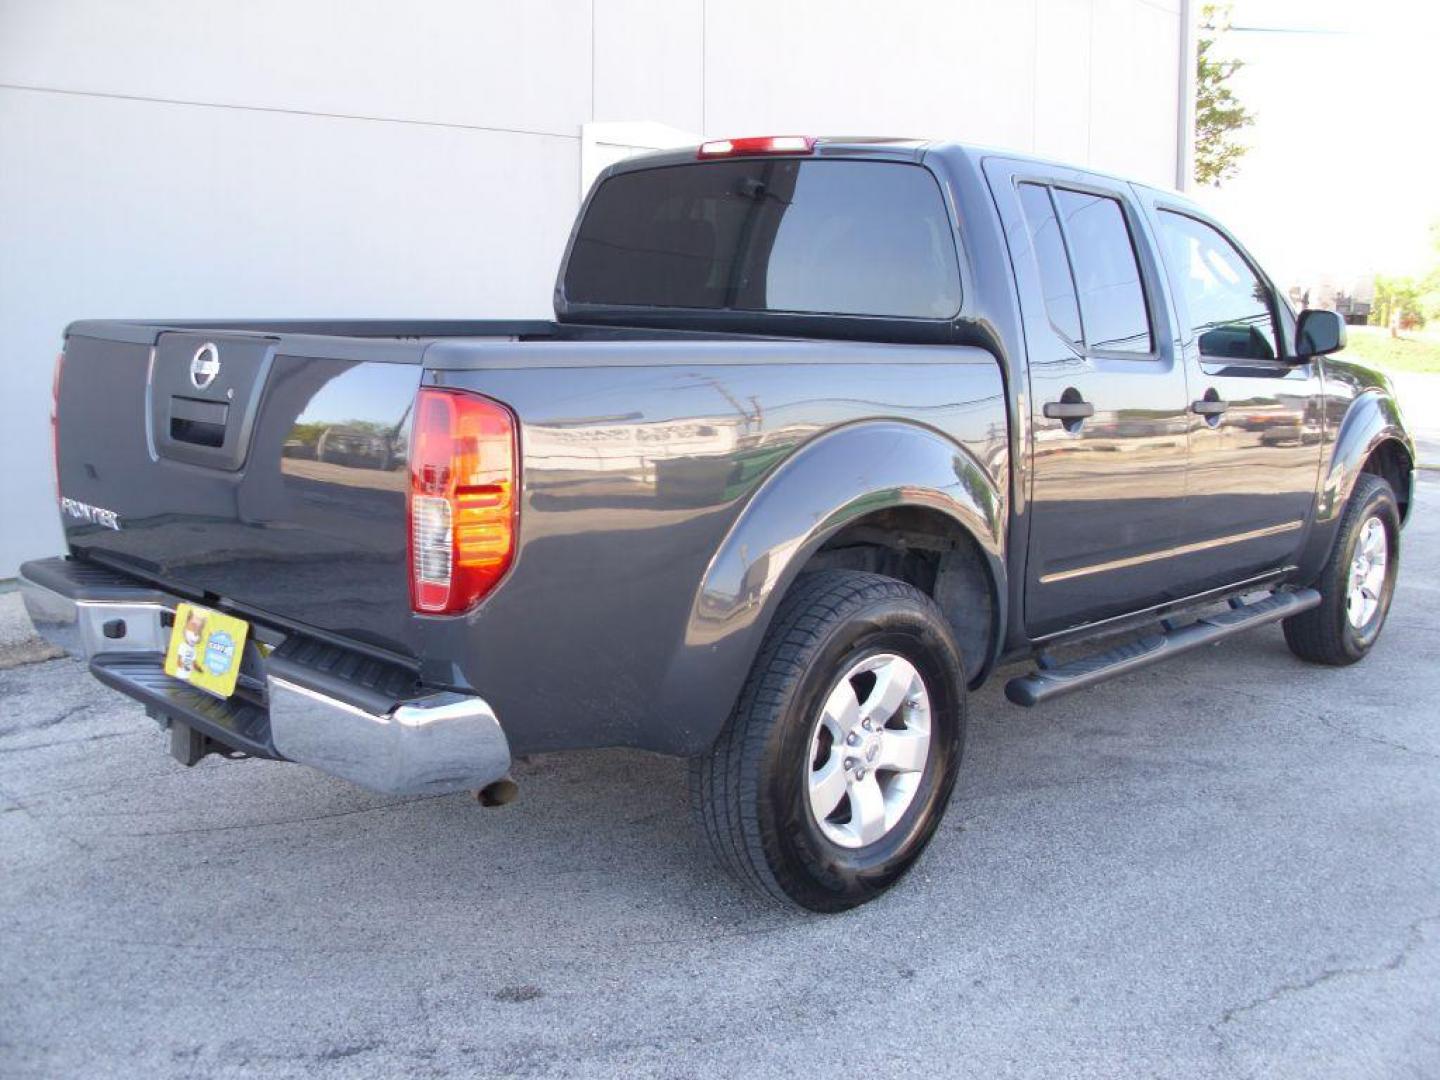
444,742
432,743
87,628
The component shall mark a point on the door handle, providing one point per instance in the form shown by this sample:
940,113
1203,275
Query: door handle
1068,410
1209,407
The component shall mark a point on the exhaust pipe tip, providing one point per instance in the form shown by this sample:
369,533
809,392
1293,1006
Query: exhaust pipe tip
498,792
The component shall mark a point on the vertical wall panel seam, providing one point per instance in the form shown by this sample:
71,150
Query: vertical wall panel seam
704,53
1035,79
1090,89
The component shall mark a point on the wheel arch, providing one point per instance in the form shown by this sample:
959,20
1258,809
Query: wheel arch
1371,438
1391,460
933,551
1371,422
870,490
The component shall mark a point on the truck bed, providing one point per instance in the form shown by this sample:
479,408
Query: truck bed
279,490
311,478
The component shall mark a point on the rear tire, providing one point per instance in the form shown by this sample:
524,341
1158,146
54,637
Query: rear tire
818,793
1357,583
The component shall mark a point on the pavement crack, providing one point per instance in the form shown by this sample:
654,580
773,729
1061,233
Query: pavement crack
44,722
426,1017
41,822
505,955
1342,729
307,819
1414,937
1329,722
61,717
70,742
339,1053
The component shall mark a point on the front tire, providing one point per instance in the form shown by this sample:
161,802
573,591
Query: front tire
1357,583
838,762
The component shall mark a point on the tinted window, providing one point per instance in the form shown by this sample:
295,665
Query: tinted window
846,237
1228,304
1107,277
1055,279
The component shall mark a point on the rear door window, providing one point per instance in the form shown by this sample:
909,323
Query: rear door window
1107,276
825,237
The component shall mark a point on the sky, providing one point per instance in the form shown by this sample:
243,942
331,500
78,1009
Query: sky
1343,176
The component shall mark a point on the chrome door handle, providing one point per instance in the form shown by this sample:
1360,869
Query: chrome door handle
1209,407
1068,410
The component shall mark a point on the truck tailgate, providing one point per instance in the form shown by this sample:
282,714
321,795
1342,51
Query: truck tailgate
267,470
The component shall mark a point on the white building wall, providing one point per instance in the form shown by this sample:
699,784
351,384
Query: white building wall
189,158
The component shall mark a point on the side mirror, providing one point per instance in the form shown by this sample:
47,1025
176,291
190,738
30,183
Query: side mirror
1318,333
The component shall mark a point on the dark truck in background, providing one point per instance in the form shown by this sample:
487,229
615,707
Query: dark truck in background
823,432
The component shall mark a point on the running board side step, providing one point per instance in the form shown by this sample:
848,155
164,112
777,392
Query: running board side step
1051,682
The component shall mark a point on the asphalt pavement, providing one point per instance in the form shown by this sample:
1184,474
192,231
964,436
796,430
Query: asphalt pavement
1226,866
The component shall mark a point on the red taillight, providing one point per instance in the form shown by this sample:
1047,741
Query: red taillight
762,144
463,492
55,418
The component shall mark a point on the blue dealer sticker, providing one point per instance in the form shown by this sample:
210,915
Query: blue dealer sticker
219,653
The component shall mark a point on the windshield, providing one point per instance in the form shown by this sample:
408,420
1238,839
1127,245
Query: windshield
833,237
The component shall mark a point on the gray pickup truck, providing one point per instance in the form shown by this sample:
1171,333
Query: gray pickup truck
823,432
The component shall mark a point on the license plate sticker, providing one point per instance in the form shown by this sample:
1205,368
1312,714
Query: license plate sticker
205,649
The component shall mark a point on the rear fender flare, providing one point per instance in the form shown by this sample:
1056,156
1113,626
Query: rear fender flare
839,477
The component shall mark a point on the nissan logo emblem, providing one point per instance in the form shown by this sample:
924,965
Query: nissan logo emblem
205,365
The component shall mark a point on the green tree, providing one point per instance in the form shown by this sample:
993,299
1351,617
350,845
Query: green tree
1402,296
1218,112
1415,299
1429,298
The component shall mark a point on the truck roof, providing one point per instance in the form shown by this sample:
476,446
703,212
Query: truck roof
885,146
892,147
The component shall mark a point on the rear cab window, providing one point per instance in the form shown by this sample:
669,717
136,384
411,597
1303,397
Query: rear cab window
1090,275
868,238
1107,274
1056,280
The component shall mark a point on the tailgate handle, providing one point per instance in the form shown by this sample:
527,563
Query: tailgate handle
198,422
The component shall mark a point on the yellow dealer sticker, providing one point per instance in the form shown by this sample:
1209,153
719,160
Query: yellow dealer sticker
205,649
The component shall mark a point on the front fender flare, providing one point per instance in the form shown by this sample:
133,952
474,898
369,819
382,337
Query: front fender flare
1373,417
837,478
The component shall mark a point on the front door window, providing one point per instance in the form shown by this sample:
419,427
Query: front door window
1230,310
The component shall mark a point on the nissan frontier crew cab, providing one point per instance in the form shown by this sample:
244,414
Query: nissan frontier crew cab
822,433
